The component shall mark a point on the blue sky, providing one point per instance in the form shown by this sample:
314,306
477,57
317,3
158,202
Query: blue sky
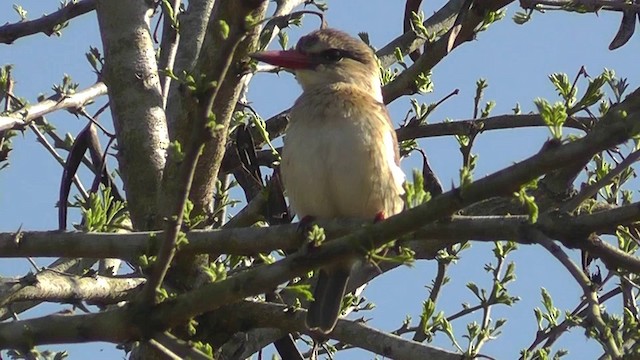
515,59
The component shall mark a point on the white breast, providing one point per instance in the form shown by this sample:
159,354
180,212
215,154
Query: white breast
339,160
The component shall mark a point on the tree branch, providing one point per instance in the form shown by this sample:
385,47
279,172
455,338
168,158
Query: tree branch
583,5
347,331
20,118
250,241
223,107
404,83
72,266
408,42
45,24
136,103
589,290
499,122
55,286
180,347
193,28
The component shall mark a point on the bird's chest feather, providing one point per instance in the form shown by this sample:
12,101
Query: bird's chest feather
336,164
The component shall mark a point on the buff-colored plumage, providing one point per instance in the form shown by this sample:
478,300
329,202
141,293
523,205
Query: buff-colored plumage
340,157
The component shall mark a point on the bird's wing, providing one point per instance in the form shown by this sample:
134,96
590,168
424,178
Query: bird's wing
391,144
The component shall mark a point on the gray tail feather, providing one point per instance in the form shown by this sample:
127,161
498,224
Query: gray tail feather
325,309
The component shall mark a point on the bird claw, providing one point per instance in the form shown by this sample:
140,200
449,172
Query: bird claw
379,217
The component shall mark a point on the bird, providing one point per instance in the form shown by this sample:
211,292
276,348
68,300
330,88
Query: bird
340,158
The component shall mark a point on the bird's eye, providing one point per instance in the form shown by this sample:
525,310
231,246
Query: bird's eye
332,55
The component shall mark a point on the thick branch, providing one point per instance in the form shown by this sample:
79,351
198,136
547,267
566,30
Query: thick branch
216,72
251,241
49,285
70,266
135,98
193,27
408,42
204,182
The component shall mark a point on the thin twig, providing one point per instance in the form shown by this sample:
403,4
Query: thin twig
590,190
590,292
180,347
168,354
169,46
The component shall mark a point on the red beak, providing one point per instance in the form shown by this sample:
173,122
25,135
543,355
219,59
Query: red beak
289,59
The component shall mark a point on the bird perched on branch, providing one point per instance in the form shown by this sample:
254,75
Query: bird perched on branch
340,157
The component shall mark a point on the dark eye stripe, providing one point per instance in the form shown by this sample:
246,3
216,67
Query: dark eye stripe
334,55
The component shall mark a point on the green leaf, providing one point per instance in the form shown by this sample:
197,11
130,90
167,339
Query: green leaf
417,25
567,91
283,39
428,308
302,291
475,290
316,235
423,83
491,17
224,29
216,271
554,116
529,201
20,11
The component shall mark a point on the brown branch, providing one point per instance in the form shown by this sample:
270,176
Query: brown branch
589,290
351,332
224,105
250,241
278,20
45,24
193,27
404,83
408,42
168,45
590,190
464,127
161,349
584,5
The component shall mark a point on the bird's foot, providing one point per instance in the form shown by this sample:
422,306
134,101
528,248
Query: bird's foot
379,217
